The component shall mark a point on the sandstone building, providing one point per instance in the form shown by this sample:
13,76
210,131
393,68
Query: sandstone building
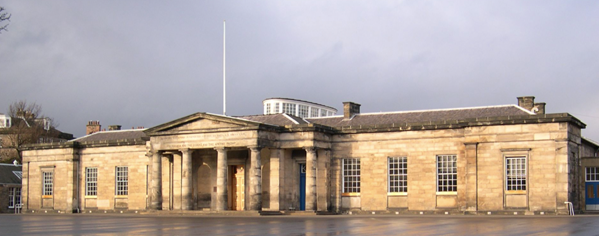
479,160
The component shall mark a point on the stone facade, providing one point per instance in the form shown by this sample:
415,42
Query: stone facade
501,159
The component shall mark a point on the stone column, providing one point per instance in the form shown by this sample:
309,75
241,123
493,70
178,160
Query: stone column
276,172
156,187
255,180
177,173
221,179
167,193
310,179
186,180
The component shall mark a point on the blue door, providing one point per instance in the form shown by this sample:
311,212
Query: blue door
592,200
302,187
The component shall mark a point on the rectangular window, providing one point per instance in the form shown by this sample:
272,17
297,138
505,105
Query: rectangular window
122,180
303,111
323,112
47,185
267,112
314,112
515,173
5,123
398,174
592,174
351,175
276,108
447,173
91,181
289,108
14,197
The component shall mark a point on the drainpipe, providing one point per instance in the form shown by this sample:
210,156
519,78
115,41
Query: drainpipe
78,183
28,187
476,163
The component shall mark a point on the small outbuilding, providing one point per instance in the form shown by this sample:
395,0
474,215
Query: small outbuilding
10,188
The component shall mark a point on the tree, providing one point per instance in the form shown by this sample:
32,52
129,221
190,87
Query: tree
4,16
28,126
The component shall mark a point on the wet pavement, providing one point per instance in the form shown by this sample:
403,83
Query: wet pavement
118,224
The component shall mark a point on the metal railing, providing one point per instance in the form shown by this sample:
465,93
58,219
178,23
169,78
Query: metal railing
570,208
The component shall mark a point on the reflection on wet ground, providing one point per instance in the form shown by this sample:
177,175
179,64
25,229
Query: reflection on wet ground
78,224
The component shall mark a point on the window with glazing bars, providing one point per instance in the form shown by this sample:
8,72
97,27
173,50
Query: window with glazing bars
47,185
351,175
398,174
447,173
14,197
91,181
276,108
515,173
268,108
122,180
289,108
303,111
592,174
314,112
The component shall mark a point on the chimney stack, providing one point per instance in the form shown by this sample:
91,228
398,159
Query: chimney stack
92,127
528,103
350,109
114,127
539,108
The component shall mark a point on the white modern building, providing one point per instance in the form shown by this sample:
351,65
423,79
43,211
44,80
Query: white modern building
296,107
4,121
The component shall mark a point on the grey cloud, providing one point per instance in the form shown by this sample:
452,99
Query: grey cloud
142,64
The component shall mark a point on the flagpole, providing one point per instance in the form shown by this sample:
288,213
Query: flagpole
224,72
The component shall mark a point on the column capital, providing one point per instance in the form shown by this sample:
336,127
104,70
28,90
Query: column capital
221,149
184,149
150,153
310,149
255,148
154,152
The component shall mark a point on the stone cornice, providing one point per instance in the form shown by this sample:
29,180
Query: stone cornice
163,129
454,124
394,127
309,128
78,145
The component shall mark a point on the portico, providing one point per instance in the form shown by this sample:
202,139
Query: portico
218,163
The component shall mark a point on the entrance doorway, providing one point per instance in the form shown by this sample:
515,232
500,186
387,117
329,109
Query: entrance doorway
302,186
591,186
237,188
592,200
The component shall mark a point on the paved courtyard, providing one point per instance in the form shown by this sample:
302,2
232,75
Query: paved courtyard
79,224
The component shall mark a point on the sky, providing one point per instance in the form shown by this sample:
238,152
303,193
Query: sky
144,63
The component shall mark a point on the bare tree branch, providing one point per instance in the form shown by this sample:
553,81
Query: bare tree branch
28,126
4,16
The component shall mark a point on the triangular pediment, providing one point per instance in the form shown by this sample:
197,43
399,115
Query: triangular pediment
202,122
